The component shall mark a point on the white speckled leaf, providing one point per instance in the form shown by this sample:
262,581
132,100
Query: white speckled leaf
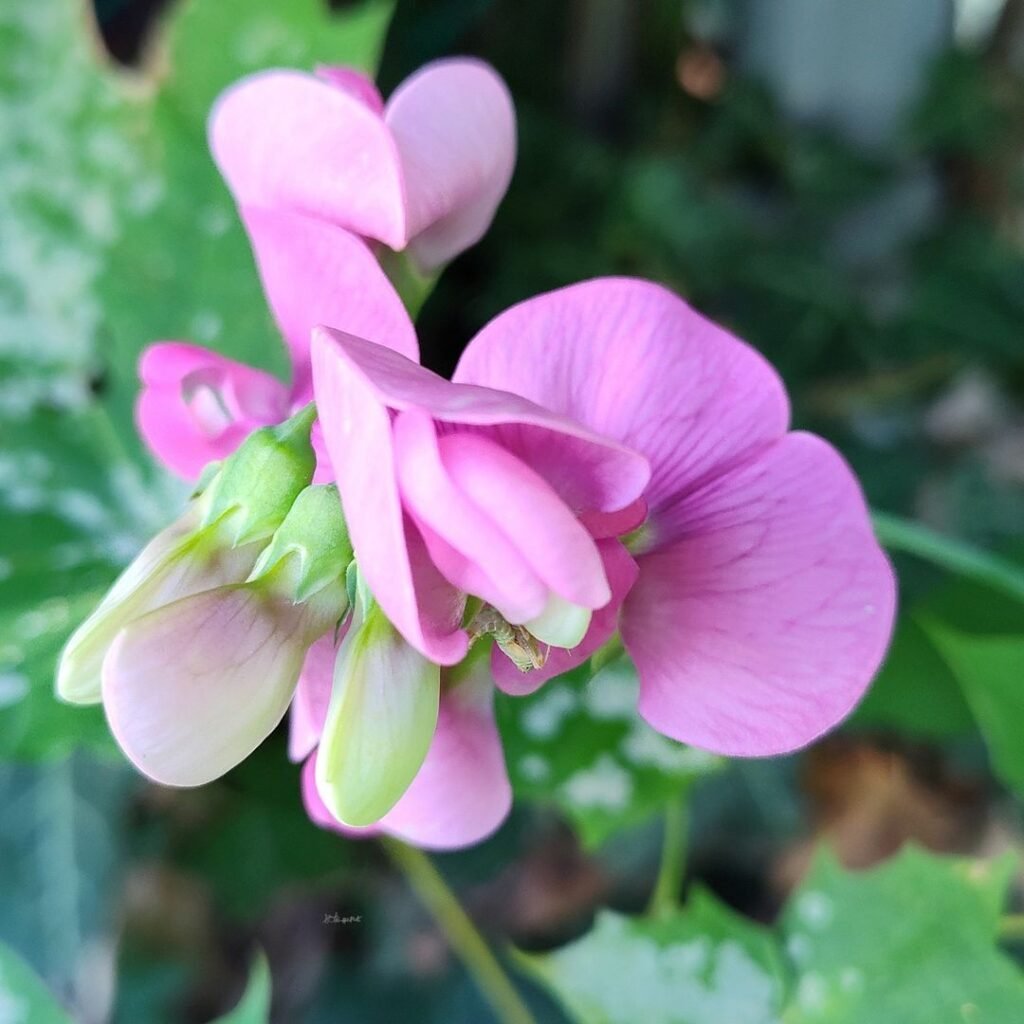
705,965
580,743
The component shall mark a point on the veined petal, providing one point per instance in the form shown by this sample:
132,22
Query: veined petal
192,688
287,140
196,407
455,130
762,624
633,362
621,572
314,272
380,722
178,561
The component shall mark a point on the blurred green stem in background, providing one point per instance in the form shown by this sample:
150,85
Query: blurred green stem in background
665,896
898,534
426,881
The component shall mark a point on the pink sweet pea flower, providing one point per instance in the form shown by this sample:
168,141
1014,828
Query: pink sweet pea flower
197,406
425,171
746,582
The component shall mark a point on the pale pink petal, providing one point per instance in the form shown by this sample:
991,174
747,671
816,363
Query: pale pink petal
760,626
621,572
197,406
287,140
316,273
461,793
589,471
633,362
192,688
454,126
423,606
355,83
308,710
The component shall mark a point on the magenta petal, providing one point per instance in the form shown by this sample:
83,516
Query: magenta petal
355,83
423,606
316,273
621,572
464,543
587,470
454,126
196,406
762,624
633,362
287,140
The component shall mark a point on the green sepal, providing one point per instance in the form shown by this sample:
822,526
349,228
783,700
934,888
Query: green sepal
259,483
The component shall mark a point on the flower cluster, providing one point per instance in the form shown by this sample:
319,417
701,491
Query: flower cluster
605,466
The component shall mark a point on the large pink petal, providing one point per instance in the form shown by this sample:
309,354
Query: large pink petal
454,126
621,572
197,406
587,470
460,795
762,624
316,273
284,139
632,361
423,606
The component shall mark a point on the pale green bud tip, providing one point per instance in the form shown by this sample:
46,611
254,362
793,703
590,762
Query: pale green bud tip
314,531
380,723
259,483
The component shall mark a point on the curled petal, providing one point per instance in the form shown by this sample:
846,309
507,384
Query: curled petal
355,83
380,722
308,711
196,406
455,129
633,362
762,624
192,688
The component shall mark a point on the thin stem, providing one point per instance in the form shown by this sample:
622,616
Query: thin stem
900,534
426,881
1011,928
665,896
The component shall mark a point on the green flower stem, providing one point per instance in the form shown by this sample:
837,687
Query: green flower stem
898,534
1011,928
426,881
665,896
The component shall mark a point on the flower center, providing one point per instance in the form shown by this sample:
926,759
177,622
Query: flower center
518,644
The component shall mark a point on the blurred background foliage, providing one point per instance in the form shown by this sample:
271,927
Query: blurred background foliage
839,183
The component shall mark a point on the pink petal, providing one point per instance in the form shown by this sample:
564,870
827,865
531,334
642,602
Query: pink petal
308,709
355,83
423,606
316,273
283,139
192,688
632,361
196,406
462,792
455,129
587,470
621,572
760,626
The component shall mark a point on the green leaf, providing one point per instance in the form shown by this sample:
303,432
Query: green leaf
990,670
911,942
705,965
580,743
23,997
254,1006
